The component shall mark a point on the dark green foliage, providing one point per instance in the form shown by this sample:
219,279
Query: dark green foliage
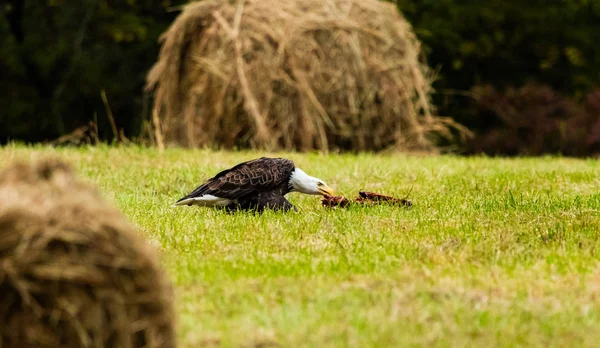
510,42
58,55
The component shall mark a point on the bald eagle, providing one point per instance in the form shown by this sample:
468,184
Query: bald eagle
257,185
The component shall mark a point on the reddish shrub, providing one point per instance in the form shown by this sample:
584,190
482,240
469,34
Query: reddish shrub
535,120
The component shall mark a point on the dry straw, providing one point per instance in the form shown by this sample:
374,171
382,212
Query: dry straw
73,271
293,74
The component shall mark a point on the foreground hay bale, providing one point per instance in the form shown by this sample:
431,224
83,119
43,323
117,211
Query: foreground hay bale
296,74
73,272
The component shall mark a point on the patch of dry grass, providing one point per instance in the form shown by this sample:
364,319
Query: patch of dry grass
73,271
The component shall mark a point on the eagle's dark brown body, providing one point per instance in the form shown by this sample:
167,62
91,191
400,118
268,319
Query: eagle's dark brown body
253,185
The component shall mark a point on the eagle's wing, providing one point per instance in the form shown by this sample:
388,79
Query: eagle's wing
249,177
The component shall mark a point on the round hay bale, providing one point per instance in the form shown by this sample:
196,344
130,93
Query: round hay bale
73,271
303,75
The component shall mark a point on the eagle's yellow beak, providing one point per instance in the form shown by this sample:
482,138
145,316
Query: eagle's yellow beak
326,191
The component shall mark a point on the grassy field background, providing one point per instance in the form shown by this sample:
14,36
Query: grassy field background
493,252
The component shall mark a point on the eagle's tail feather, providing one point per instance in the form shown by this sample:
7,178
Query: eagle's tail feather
203,200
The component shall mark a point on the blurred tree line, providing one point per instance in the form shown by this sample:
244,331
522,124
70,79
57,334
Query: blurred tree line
492,59
58,56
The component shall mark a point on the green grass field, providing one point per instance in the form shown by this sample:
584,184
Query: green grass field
494,252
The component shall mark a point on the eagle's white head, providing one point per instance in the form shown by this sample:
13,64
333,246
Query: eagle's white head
304,183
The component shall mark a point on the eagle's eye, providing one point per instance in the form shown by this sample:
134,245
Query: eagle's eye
319,184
